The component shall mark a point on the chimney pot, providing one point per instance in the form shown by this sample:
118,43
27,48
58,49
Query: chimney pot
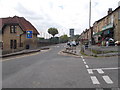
109,10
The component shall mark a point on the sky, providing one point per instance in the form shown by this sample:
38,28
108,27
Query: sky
61,14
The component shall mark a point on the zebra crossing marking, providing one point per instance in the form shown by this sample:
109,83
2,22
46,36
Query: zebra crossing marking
107,79
94,80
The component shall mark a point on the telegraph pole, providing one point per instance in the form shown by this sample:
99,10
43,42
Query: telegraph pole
90,14
90,22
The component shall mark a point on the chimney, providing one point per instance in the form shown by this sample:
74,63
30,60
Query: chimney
109,10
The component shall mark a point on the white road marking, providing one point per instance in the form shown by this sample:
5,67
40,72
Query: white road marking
86,66
107,79
81,56
94,80
107,68
90,71
83,60
110,68
85,63
100,71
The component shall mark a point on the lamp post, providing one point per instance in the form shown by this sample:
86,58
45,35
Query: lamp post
90,14
90,23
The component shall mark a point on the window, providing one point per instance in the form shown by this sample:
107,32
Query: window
13,29
13,44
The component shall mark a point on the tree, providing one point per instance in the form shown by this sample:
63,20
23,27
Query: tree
53,31
64,38
76,37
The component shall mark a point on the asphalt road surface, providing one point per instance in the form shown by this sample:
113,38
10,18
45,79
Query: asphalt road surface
50,69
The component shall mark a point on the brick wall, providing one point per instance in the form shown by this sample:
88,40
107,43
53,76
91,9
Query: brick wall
7,36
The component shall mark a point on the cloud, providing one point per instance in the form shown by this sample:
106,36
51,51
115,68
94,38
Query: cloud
24,11
62,14
61,7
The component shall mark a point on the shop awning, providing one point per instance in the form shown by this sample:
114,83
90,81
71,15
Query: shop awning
105,29
109,26
98,33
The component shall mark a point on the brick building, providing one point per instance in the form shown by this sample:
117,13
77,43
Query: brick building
14,34
108,26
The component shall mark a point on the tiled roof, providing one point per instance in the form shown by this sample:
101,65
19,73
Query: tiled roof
24,24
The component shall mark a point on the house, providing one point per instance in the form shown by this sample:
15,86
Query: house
15,34
84,36
108,26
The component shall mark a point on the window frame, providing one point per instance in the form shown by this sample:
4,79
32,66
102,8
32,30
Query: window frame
13,28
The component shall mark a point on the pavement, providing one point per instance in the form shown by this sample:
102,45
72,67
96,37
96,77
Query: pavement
24,52
104,51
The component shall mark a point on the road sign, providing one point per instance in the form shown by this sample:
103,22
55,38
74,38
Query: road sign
29,34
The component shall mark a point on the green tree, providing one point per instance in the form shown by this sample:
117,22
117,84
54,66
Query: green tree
76,37
64,38
53,31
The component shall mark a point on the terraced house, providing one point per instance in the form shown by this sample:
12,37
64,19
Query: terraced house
108,26
15,31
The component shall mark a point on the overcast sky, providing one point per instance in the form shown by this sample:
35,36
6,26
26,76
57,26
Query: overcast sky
61,14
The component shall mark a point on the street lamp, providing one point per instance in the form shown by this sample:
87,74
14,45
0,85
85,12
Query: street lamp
90,23
90,14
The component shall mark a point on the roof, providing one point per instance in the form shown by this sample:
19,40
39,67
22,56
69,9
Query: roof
21,21
108,14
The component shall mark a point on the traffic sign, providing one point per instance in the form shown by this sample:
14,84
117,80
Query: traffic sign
29,34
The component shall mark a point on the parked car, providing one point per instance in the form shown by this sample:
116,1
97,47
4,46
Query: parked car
68,43
72,43
111,42
117,43
77,43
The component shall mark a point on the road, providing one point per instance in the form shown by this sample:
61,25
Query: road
50,69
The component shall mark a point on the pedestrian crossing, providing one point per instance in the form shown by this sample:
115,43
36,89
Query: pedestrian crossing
107,79
100,76
100,71
94,80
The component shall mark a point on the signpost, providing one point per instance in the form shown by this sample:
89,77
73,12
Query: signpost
29,34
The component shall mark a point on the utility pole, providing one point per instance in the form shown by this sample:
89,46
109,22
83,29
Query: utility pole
90,22
90,14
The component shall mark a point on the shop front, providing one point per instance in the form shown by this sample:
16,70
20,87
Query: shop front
108,31
98,37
